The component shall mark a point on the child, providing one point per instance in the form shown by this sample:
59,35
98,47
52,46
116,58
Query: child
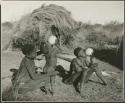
93,67
50,52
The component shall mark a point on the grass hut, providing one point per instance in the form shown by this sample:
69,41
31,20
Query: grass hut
42,22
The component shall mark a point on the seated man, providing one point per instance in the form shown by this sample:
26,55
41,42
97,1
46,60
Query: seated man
26,79
77,71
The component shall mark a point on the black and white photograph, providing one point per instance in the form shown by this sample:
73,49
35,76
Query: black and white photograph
62,51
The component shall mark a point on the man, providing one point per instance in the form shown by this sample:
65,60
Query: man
77,72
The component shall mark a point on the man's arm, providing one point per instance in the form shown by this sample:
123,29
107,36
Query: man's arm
75,67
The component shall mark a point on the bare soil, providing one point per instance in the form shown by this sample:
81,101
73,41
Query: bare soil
92,91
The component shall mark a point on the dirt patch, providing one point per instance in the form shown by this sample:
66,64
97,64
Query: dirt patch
92,91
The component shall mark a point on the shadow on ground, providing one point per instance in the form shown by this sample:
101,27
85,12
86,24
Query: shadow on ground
110,56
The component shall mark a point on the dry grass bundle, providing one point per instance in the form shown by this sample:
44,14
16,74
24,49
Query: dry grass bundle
45,21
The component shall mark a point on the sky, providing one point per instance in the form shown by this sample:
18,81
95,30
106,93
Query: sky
86,11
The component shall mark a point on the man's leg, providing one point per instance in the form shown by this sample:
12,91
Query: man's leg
82,79
76,83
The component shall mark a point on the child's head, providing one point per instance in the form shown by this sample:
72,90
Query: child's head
78,52
52,40
89,51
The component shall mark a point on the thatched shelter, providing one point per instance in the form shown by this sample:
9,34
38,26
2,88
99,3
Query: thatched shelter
42,22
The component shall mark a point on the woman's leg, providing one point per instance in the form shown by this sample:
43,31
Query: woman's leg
36,84
15,89
32,85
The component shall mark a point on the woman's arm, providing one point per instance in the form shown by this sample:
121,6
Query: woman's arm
30,66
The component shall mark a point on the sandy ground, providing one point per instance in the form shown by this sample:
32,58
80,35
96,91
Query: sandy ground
92,91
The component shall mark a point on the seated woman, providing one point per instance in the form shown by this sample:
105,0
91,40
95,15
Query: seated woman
26,79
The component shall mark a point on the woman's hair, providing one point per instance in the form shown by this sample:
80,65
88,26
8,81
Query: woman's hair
27,48
77,50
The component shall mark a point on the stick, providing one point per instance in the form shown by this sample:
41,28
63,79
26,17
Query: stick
66,53
64,58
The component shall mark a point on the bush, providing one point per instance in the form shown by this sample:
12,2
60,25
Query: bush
96,38
91,38
68,40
